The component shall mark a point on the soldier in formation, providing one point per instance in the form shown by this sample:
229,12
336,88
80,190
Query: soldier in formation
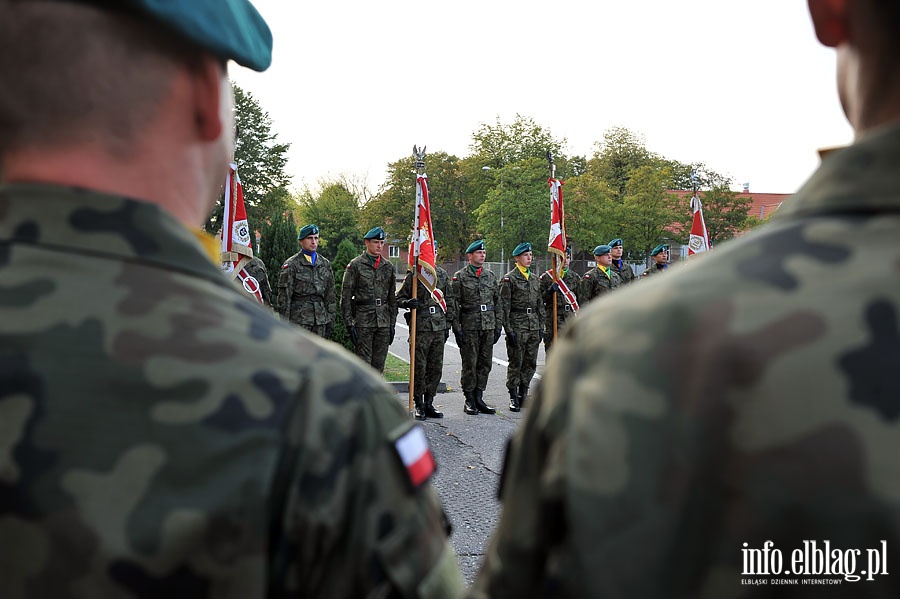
618,265
369,301
522,315
256,268
551,293
660,256
432,331
771,421
161,434
306,286
476,326
599,280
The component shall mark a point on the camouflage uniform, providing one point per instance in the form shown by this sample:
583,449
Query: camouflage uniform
369,303
624,270
563,310
655,269
522,314
256,268
772,411
476,297
306,293
432,329
595,283
163,436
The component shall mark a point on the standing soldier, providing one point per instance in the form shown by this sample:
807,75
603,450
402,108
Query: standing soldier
619,266
550,292
256,268
432,331
522,314
368,301
476,327
306,286
660,255
600,279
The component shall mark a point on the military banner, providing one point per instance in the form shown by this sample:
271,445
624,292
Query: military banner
699,240
557,243
236,248
422,246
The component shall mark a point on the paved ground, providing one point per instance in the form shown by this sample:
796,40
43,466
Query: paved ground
469,450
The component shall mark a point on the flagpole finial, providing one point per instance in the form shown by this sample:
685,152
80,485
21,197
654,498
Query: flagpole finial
551,164
419,153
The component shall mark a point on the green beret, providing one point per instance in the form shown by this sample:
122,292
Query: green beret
375,233
601,250
521,249
617,242
475,246
307,230
230,29
660,248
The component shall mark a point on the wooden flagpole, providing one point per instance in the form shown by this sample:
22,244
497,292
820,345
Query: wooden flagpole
420,170
553,258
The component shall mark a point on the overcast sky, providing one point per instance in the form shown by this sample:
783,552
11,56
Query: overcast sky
742,86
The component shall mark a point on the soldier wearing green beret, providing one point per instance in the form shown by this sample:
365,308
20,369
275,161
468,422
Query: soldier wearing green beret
599,280
660,255
476,326
163,435
432,332
522,315
550,292
306,286
618,265
369,301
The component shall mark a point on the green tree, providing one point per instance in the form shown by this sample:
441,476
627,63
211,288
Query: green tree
336,211
261,162
649,214
590,212
725,213
279,242
516,209
500,144
346,252
617,156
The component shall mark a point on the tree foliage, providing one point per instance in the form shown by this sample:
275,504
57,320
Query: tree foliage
725,213
649,214
261,162
336,212
346,252
278,243
501,144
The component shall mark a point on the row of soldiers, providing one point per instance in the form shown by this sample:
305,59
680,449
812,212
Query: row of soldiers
478,309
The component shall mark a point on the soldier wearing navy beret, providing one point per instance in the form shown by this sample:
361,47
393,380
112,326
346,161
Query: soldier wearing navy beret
618,265
369,301
306,286
161,434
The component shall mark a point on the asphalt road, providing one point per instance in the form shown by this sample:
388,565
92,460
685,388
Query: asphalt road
469,450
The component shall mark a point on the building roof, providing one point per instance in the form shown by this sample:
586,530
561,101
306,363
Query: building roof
763,204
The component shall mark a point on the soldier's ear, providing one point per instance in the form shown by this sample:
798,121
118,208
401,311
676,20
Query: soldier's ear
831,21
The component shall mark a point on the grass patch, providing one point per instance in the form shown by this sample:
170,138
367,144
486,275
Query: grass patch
395,369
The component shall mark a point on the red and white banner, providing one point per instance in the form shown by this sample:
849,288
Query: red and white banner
423,244
412,447
699,241
236,248
557,243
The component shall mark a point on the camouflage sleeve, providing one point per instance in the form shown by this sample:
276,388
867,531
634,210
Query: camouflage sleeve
453,292
265,288
348,288
330,301
285,289
540,306
450,299
354,515
405,291
505,296
392,295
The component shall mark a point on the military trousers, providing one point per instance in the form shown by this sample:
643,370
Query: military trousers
319,329
429,362
560,327
373,345
477,354
522,357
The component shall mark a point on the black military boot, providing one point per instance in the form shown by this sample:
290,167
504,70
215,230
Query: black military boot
469,407
429,407
514,400
419,412
479,403
523,394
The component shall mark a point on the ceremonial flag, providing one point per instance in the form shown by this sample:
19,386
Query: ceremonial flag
236,249
557,243
699,241
423,243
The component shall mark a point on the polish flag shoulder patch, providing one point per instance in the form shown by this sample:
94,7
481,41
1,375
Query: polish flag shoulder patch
415,455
